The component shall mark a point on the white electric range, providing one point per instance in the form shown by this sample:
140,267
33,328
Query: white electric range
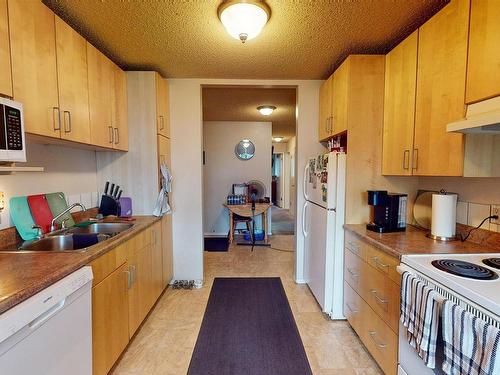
470,280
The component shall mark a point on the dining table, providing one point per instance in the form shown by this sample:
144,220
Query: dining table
245,210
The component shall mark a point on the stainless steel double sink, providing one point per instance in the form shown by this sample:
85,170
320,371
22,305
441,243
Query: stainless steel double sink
78,238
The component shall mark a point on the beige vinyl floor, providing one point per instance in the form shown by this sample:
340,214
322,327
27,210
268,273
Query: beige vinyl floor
166,340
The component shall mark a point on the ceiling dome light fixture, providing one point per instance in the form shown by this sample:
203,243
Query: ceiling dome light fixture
244,19
266,110
277,139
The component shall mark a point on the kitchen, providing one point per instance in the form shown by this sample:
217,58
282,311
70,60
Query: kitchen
88,121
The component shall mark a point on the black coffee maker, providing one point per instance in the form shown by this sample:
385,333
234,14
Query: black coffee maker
388,211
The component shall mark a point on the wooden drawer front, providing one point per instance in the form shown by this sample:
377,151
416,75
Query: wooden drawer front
384,263
352,307
378,290
379,339
103,266
355,245
382,294
353,268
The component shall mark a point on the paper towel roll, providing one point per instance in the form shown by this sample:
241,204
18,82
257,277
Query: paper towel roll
444,215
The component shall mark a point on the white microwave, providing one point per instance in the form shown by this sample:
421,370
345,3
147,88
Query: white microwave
12,141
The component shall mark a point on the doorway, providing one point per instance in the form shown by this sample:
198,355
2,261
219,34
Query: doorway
231,117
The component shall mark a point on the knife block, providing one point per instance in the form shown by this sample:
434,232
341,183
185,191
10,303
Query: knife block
109,206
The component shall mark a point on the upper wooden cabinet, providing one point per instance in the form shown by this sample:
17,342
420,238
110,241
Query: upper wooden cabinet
441,69
325,109
73,83
5,68
483,69
399,107
119,113
162,112
34,67
339,98
101,98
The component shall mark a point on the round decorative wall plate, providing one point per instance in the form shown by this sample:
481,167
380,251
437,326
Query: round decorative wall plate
245,149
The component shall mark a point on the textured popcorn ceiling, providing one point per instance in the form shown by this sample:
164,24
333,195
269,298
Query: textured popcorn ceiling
240,104
304,39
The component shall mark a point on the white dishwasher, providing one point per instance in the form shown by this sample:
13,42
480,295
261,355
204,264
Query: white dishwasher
51,332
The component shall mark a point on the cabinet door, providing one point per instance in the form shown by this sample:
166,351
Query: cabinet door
101,87
5,68
483,69
162,105
325,109
139,299
73,83
109,320
163,154
167,249
34,71
340,99
119,110
156,262
399,107
442,57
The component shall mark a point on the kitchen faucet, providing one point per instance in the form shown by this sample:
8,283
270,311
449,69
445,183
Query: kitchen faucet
61,214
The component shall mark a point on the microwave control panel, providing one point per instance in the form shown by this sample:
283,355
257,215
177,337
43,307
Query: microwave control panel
13,128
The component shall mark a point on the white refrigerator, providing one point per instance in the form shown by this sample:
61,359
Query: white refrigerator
322,226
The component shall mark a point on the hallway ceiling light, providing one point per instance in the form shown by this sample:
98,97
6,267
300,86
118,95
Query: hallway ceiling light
266,110
277,139
244,19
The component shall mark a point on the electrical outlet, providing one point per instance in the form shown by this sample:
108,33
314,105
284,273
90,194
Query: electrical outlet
495,210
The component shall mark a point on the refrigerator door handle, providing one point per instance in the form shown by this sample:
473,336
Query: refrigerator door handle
304,210
304,182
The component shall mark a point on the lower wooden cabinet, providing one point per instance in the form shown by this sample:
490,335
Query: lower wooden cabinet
139,294
371,300
127,283
110,319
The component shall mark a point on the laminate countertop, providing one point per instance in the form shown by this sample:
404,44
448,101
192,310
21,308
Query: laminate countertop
414,241
22,275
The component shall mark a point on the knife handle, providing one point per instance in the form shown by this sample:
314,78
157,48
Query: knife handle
106,188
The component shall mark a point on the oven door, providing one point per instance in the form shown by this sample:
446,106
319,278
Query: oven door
409,361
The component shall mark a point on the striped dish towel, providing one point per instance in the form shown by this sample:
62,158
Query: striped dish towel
471,346
420,317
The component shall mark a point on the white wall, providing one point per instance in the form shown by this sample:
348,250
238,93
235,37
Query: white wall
222,168
186,131
69,170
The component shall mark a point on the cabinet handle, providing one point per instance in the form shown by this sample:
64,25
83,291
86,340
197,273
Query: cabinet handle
110,128
415,159
132,274
58,127
353,274
353,247
331,124
67,129
381,300
161,122
116,135
406,159
129,279
378,263
354,311
381,345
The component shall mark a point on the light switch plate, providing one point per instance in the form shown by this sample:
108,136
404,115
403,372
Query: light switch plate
2,200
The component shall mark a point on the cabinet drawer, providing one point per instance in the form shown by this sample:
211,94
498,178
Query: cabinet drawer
353,267
383,262
355,245
103,266
376,289
352,306
379,339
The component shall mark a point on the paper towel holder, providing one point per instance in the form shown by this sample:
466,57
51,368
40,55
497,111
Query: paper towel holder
443,238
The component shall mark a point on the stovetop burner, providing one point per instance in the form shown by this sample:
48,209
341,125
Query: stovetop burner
465,269
492,262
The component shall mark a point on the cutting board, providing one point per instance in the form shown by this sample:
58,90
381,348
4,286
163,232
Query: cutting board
57,203
40,211
21,217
